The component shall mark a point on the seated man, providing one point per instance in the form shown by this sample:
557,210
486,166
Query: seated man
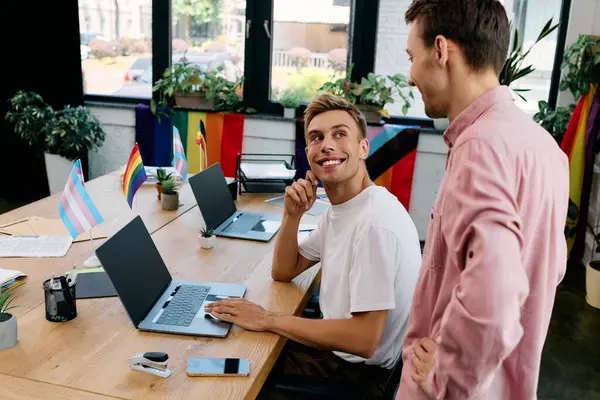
369,252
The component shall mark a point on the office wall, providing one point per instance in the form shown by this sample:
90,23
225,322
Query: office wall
267,136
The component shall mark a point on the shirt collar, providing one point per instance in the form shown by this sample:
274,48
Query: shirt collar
474,111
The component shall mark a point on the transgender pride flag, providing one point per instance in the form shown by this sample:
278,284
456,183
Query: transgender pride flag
179,161
76,209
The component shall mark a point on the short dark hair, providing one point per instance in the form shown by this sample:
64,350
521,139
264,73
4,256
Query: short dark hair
480,27
330,102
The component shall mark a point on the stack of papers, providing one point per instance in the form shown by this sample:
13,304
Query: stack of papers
10,279
267,170
39,226
35,246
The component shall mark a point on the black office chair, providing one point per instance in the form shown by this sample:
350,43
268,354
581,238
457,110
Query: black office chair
320,388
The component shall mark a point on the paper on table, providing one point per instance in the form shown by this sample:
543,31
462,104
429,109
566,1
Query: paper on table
263,170
40,226
35,246
7,275
151,173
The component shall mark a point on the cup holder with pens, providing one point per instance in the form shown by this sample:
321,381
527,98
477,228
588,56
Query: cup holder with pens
60,300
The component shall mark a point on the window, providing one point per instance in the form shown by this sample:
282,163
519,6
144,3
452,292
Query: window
309,45
210,35
116,47
528,15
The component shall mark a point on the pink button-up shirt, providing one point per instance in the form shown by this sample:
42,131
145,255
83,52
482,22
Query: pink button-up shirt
494,255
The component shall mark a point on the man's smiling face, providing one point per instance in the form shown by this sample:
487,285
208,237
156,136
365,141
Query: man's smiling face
335,146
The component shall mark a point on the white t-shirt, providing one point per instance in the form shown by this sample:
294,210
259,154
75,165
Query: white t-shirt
370,258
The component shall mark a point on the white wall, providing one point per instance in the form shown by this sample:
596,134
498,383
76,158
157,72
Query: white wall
265,136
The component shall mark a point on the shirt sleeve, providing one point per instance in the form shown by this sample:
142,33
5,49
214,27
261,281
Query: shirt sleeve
311,247
373,271
481,325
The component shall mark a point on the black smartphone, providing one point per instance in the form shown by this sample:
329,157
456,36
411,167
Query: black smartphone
218,367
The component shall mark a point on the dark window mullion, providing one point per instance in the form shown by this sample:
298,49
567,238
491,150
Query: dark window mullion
363,37
161,38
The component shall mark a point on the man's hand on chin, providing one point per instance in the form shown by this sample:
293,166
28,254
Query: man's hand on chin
241,312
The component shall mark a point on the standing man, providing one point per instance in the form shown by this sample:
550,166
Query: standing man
495,249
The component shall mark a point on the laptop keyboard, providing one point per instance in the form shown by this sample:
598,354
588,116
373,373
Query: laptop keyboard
243,224
184,305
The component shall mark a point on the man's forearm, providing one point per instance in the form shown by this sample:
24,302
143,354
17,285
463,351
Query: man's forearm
285,258
345,335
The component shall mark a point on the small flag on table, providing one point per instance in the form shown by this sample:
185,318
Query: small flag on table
201,141
76,209
179,161
134,175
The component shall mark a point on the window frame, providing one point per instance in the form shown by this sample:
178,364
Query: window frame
258,47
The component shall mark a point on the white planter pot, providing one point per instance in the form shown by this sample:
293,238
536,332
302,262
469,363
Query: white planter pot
592,284
207,243
289,113
441,124
8,333
57,170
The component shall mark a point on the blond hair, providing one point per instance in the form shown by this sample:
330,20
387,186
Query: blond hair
330,102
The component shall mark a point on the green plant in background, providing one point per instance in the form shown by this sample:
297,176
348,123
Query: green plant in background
169,187
207,232
67,132
373,90
162,176
5,301
29,115
554,121
292,97
73,130
513,69
581,66
185,79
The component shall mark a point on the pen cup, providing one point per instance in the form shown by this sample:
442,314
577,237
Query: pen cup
60,303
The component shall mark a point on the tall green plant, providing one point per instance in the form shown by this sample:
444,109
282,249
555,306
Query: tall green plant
67,132
581,65
513,69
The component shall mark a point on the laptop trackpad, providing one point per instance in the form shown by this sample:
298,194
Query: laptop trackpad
266,226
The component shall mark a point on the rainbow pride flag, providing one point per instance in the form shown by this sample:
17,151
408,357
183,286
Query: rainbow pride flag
134,175
578,144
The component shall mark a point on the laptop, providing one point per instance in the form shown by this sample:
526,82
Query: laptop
154,301
220,213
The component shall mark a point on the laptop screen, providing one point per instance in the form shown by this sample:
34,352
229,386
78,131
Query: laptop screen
135,268
213,196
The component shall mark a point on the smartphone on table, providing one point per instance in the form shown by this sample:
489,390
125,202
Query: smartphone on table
228,367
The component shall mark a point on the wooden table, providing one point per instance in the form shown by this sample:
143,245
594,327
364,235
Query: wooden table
88,357
108,196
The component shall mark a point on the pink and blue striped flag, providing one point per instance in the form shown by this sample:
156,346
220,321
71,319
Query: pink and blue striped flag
179,161
76,209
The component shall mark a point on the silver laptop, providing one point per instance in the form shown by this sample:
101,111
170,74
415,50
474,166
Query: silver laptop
220,213
153,300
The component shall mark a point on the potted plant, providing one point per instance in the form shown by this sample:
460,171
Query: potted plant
207,238
186,85
592,274
373,93
161,177
8,322
290,100
61,135
170,195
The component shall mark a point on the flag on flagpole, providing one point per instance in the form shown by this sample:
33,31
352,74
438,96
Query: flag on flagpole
201,141
134,175
76,209
179,161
